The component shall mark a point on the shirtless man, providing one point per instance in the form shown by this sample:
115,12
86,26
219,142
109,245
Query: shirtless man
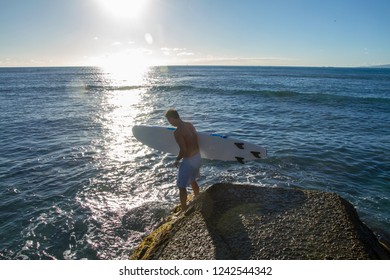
187,139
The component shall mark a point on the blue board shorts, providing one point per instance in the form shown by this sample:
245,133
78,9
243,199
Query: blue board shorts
188,171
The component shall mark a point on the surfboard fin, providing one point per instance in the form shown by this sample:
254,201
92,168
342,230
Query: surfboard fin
240,160
256,154
239,145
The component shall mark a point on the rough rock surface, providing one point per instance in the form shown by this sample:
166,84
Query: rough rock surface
247,222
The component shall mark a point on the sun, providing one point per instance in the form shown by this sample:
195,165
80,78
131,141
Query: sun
123,9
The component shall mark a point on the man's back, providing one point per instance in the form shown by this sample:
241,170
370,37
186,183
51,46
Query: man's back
187,132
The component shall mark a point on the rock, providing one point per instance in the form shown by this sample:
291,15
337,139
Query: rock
230,221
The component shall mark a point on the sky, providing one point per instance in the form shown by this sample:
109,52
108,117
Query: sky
194,32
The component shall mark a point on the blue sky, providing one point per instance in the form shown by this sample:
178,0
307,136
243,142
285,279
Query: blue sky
206,32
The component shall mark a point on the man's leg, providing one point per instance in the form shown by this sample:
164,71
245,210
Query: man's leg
195,187
183,199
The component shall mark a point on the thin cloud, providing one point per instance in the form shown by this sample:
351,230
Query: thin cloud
185,54
250,61
176,51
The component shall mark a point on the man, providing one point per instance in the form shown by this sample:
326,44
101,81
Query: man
187,139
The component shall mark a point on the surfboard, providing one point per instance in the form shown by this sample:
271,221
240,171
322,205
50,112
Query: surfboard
212,146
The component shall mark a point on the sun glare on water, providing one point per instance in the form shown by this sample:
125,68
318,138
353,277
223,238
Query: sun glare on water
123,9
127,67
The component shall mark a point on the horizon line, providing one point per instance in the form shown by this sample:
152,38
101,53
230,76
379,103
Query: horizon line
201,65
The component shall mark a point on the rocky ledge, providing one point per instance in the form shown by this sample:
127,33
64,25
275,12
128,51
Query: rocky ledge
230,221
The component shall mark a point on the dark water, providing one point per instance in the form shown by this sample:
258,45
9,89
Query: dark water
74,183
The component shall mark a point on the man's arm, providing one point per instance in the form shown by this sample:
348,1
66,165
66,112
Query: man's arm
182,146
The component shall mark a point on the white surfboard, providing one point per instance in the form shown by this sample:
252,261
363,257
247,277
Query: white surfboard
212,146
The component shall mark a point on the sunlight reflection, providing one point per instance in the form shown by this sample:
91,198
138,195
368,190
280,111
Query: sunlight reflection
122,72
125,86
122,205
120,121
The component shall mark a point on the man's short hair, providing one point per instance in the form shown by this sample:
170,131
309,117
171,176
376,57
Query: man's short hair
172,113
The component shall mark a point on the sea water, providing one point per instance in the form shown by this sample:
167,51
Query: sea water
75,183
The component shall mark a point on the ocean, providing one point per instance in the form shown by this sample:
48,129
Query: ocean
75,184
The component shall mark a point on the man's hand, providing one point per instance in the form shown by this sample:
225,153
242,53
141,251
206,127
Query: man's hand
177,163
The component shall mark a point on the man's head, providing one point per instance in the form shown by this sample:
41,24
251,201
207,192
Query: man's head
172,117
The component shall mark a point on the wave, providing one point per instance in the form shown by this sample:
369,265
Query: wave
53,87
317,97
220,90
169,88
305,96
112,88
